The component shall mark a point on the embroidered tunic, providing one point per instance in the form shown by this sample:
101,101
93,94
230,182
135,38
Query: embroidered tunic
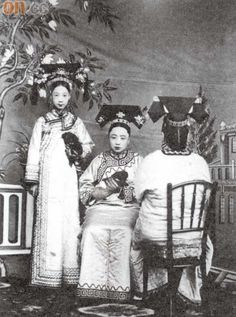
155,172
57,223
107,230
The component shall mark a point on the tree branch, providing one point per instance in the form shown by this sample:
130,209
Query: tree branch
12,39
12,68
13,33
16,84
19,67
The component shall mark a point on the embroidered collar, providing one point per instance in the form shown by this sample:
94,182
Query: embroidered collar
114,160
118,156
60,114
168,151
67,118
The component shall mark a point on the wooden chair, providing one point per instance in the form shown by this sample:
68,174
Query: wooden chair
164,257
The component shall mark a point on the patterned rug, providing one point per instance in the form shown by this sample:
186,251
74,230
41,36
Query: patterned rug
116,310
19,299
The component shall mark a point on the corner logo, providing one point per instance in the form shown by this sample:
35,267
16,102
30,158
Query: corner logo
16,7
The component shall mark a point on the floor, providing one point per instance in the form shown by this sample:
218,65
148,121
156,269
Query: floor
22,300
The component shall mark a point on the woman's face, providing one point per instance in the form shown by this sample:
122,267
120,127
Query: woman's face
119,139
60,97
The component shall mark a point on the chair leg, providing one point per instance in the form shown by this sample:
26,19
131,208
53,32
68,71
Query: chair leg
174,276
145,277
205,291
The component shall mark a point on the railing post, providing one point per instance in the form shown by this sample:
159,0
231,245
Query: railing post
233,169
24,209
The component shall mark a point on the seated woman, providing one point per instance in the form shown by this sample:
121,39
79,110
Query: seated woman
107,189
174,163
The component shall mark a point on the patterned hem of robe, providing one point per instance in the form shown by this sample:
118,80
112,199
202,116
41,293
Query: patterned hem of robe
103,292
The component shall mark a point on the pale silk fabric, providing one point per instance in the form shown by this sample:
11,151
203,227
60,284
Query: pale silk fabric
107,232
155,172
105,247
57,221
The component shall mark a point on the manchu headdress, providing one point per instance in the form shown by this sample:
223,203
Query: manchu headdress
120,115
176,111
47,74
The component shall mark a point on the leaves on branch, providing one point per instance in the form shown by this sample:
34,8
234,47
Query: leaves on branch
72,58
88,52
61,16
205,138
90,104
106,83
30,24
20,153
90,61
5,28
107,88
39,25
99,11
9,80
77,93
80,3
21,95
107,95
36,25
23,134
86,95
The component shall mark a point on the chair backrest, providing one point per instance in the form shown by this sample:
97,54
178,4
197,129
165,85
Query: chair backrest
197,202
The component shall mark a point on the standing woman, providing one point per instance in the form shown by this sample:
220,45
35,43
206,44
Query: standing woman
52,178
107,189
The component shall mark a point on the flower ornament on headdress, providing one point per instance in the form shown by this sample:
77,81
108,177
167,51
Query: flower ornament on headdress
124,114
48,74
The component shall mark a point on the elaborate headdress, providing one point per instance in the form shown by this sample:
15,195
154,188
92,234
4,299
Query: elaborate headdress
48,74
176,111
121,115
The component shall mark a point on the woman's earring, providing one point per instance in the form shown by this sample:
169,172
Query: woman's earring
70,107
50,102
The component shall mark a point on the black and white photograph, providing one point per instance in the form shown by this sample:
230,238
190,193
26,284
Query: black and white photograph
118,158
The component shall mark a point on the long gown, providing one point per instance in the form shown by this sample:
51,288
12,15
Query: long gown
155,172
107,229
57,219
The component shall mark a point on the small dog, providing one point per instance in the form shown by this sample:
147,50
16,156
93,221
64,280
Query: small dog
74,149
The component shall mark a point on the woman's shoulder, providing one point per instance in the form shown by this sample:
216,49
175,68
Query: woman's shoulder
78,120
134,154
198,158
98,158
40,120
156,155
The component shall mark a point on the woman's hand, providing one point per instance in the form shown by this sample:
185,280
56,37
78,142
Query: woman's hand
34,190
100,193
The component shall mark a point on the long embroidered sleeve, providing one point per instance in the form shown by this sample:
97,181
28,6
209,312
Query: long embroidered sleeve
83,137
33,161
87,181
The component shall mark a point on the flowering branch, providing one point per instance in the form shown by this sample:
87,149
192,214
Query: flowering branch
42,18
16,84
5,91
12,68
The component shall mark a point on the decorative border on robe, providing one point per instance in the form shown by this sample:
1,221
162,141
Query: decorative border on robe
68,119
99,291
111,161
